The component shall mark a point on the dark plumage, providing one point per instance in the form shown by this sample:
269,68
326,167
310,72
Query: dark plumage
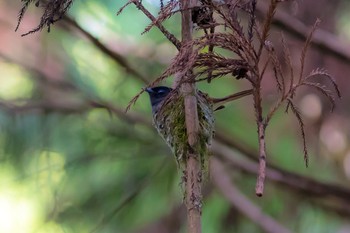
157,95
169,119
202,16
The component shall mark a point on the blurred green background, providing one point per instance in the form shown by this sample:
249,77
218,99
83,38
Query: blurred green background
69,166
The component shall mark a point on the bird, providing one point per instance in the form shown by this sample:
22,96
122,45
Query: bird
157,95
168,112
202,16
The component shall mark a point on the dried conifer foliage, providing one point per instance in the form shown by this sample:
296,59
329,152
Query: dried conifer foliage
54,10
252,54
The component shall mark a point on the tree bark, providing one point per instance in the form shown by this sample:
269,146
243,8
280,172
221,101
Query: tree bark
193,174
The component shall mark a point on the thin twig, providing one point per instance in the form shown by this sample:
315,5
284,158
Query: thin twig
295,182
261,124
259,188
165,32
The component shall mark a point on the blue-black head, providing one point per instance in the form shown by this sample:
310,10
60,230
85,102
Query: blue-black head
157,95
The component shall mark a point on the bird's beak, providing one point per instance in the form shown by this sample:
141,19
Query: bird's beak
149,90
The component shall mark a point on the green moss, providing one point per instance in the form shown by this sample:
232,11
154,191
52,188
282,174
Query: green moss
171,124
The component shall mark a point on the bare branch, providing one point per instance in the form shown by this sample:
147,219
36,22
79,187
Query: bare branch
193,176
259,188
296,182
165,32
165,13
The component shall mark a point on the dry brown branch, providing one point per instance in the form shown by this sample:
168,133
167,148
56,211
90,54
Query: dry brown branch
193,176
222,147
165,13
53,12
288,60
323,89
304,50
267,24
325,74
192,63
277,69
252,18
165,32
236,41
261,125
259,188
297,114
223,182
287,93
296,182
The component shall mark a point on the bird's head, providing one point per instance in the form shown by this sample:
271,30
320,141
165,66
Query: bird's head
157,95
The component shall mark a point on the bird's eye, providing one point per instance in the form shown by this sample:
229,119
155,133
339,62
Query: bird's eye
162,92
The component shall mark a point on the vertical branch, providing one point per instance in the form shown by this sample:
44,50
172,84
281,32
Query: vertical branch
261,124
259,188
193,175
260,120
